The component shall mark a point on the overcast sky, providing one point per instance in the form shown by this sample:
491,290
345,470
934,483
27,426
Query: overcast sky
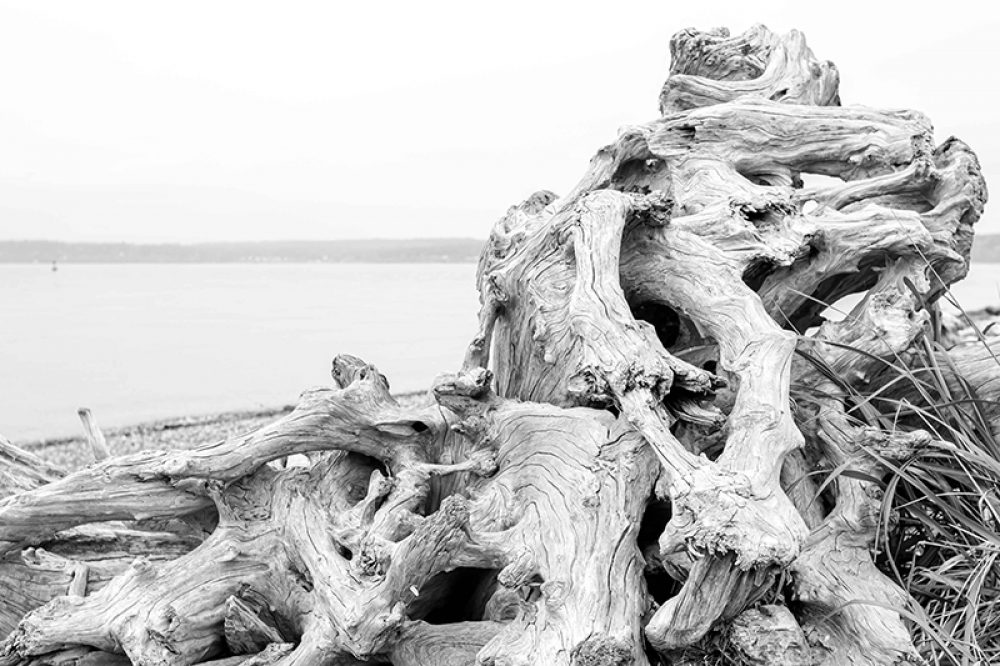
192,121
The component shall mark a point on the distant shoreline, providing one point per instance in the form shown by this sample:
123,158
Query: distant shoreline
412,250
256,262
985,249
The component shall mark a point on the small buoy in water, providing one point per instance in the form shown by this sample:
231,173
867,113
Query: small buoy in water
54,267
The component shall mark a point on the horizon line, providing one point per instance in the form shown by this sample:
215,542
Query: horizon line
367,239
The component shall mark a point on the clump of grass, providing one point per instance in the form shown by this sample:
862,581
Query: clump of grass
945,550
939,528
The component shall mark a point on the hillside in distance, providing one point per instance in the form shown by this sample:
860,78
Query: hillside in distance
986,249
416,250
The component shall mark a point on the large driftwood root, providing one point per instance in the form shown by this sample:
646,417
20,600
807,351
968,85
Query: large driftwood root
700,220
623,471
347,561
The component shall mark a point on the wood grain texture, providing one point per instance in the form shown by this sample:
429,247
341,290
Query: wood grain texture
626,467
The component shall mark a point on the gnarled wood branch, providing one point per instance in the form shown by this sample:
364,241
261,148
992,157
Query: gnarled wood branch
626,466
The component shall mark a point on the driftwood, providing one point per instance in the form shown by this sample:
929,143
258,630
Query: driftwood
619,472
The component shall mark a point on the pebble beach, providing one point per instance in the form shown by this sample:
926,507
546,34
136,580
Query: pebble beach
72,453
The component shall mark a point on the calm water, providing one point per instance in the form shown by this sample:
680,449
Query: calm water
143,341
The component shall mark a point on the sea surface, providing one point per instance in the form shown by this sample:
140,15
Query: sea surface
137,342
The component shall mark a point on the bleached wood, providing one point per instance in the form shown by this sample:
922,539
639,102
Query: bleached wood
95,437
647,398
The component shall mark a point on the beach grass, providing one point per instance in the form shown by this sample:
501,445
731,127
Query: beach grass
938,533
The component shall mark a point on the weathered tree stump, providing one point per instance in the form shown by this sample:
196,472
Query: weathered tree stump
620,471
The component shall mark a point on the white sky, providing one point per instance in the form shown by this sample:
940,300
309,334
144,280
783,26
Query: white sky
191,121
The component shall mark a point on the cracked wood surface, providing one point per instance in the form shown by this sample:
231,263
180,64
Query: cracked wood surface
647,398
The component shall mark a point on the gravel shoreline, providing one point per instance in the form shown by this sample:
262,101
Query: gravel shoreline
184,432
